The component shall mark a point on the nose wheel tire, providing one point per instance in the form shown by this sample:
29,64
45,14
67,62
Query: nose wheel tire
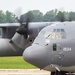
53,73
58,73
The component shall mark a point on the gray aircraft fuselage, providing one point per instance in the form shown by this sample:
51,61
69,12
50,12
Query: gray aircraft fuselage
54,48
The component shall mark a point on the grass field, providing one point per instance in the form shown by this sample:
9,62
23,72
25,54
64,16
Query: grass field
14,63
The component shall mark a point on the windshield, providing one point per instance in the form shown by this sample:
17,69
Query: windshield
58,34
55,34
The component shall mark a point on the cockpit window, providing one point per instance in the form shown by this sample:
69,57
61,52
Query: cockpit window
58,30
62,30
58,34
54,30
55,34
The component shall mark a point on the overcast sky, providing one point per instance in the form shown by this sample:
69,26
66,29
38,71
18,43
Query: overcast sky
42,5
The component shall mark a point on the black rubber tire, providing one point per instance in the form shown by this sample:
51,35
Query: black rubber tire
53,73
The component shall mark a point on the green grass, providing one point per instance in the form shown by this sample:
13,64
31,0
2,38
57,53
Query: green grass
14,63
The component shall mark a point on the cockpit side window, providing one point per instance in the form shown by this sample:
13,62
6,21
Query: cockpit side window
47,34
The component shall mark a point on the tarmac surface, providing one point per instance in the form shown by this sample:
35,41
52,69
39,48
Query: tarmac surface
23,72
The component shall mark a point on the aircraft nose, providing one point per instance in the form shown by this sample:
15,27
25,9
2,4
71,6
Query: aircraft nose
36,55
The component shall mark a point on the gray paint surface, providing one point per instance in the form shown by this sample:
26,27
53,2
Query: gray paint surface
41,52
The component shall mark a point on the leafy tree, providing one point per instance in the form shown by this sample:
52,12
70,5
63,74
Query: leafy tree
60,16
50,16
2,17
66,15
10,18
29,15
71,16
35,16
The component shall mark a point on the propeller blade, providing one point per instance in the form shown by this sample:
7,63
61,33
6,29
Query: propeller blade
18,12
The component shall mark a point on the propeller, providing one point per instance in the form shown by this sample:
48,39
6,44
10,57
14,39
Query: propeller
23,29
24,23
20,39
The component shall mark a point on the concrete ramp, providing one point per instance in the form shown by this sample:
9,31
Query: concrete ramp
23,72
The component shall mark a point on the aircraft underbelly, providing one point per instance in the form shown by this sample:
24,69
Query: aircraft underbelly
52,68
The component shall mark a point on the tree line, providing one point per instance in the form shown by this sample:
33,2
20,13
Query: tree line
38,16
7,17
52,15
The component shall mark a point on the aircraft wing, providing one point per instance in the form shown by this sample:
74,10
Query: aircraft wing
18,24
9,24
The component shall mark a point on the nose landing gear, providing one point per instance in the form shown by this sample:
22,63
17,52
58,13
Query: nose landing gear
58,73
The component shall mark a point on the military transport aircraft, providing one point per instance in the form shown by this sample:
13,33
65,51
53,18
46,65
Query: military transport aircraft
54,49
